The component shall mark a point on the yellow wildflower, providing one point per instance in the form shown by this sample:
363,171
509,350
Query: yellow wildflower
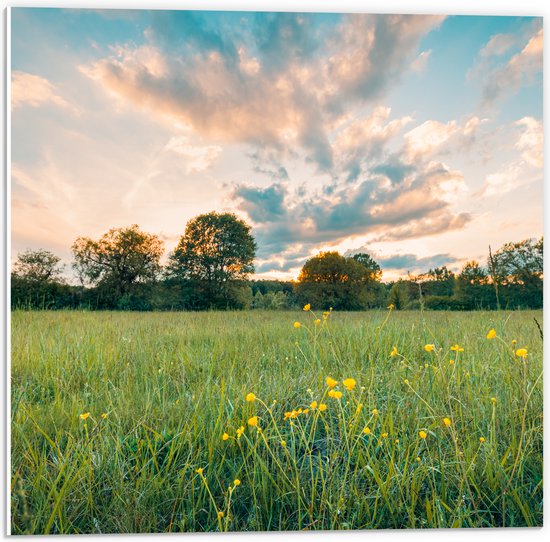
220,514
406,381
283,443
447,422
422,434
457,348
359,408
225,436
84,416
104,415
313,405
240,431
391,306
482,439
317,322
394,352
307,307
451,362
384,435
331,383
494,400
521,352
492,334
349,383
250,398
297,325
375,412
236,482
322,407
335,394
429,347
253,422
514,342
200,470
367,431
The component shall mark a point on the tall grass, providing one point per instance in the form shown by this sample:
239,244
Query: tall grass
162,389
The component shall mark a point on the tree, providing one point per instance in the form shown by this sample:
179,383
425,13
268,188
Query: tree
38,266
517,269
368,262
121,259
216,253
332,280
399,295
473,289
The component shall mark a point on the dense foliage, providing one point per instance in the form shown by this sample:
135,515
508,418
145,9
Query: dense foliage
210,269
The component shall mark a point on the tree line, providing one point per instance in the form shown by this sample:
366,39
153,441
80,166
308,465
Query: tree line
210,268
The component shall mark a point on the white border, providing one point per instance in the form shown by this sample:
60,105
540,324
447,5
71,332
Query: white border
454,7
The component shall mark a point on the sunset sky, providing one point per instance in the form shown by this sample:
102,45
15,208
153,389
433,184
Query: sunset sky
418,139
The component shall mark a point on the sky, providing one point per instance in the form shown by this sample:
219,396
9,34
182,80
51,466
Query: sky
415,138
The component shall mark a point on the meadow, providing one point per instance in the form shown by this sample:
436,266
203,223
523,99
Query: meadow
240,421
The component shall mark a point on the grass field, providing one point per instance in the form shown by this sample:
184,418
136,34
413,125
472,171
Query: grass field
161,389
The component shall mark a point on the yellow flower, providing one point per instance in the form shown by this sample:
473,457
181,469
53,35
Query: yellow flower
482,439
200,470
349,383
297,325
225,436
451,362
406,381
384,435
367,431
359,408
396,441
250,398
391,306
492,334
331,383
335,394
514,342
418,458
457,348
307,307
313,405
394,351
322,407
422,434
429,347
317,322
521,352
240,431
84,416
375,412
283,443
220,514
236,482
253,422
494,400
104,415
447,422
306,411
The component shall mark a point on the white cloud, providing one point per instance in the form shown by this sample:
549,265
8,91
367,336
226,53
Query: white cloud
530,141
34,91
197,157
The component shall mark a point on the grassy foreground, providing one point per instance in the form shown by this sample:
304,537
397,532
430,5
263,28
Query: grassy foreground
441,438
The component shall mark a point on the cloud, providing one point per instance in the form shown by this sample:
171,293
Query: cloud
282,83
197,157
417,206
411,262
531,141
498,45
35,91
421,61
521,68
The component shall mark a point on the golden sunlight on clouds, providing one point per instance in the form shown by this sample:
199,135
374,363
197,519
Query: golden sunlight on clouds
32,90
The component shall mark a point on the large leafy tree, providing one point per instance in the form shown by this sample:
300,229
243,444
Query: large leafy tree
332,280
517,270
121,258
38,266
216,253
